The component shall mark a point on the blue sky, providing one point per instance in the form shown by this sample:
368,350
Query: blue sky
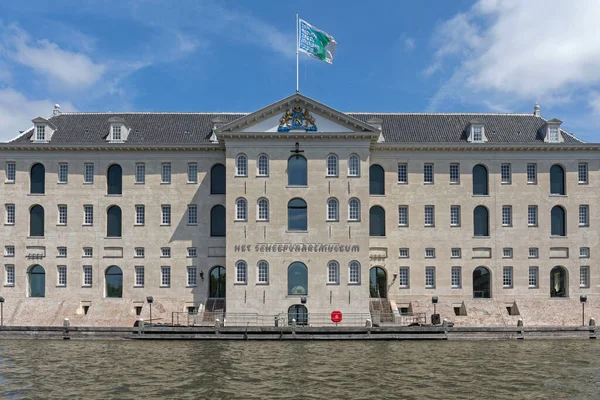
393,56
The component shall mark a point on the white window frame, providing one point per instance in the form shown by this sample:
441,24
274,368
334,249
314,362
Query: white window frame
403,250
88,215
192,276
165,276
455,215
553,134
403,173
140,173
454,173
531,173
9,275
430,252
262,165
241,165
262,272
9,251
11,172
584,276
403,215
332,169
88,252
354,209
140,214
88,276
192,252
192,172
62,214
584,252
456,252
429,277
584,215
428,174
63,172
165,173
241,272
404,277
192,214
61,275
354,272
532,215
582,173
533,277
140,276
61,252
40,133
333,273
165,252
354,165
456,277
10,214
505,174
117,134
507,252
507,277
533,253
165,219
88,173
477,134
333,210
507,216
140,252
262,209
429,216
241,209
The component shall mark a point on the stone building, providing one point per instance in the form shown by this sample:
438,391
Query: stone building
298,208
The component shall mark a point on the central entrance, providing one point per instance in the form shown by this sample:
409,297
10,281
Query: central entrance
481,283
216,285
378,282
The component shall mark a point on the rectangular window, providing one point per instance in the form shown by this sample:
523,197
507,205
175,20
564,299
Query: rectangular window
403,253
455,173
505,173
582,173
507,277
428,173
533,277
88,215
584,212
429,213
139,276
165,252
10,214
584,277
402,173
140,214
62,275
429,252
532,216
87,275
402,215
507,252
192,276
192,214
454,215
477,133
9,251
506,215
165,276
10,275
404,277
584,252
192,173
455,252
40,132
532,173
192,252
165,175
455,277
166,215
533,252
429,277
116,132
553,134
11,172
139,252
88,173
88,252
140,173
61,252
63,173
62,214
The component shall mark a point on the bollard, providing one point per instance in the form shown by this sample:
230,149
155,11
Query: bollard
140,325
369,323
66,325
217,323
592,321
294,323
520,322
521,332
592,328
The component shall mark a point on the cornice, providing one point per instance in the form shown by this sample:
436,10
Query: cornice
121,147
485,147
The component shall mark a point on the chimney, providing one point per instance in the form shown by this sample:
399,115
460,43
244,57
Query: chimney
536,110
56,110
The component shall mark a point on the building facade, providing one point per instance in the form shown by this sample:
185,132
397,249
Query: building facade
297,208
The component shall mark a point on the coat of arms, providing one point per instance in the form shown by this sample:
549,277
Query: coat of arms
297,119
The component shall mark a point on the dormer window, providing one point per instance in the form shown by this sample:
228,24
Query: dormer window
478,134
553,134
552,129
43,130
119,131
116,133
40,133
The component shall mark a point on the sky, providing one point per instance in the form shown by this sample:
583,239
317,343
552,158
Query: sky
239,56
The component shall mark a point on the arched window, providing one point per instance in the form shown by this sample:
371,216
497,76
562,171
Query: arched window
558,226
333,213
114,179
354,272
482,283
241,165
559,282
353,165
480,180
217,221
37,179
333,272
297,215
332,165
376,180
481,221
217,179
297,171
262,275
262,168
298,313
376,221
37,281
378,282
557,179
36,220
241,272
113,221
297,279
114,282
241,210
263,210
354,209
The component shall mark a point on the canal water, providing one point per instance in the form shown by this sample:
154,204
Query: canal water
98,369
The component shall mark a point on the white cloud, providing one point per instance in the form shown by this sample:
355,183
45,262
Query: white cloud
594,102
74,70
510,51
409,43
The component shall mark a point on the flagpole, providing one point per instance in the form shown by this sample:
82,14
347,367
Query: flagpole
297,46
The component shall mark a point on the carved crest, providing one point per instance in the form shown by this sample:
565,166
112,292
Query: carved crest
297,119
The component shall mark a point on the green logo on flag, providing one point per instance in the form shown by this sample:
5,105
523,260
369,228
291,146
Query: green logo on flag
316,43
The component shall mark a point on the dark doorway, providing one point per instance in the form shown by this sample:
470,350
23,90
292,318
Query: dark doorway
37,281
558,282
378,282
217,283
299,313
114,282
482,283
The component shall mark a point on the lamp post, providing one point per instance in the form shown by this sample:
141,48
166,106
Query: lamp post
1,311
583,299
150,300
434,300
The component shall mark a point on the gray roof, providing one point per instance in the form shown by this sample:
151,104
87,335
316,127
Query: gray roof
196,128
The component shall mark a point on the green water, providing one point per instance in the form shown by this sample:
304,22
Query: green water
99,369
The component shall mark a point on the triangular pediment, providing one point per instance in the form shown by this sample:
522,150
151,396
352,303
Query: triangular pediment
297,114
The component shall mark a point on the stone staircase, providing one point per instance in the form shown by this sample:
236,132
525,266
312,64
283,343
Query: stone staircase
381,310
214,307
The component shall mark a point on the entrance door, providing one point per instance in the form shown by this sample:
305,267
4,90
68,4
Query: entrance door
299,313
37,281
217,282
558,282
482,283
378,282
